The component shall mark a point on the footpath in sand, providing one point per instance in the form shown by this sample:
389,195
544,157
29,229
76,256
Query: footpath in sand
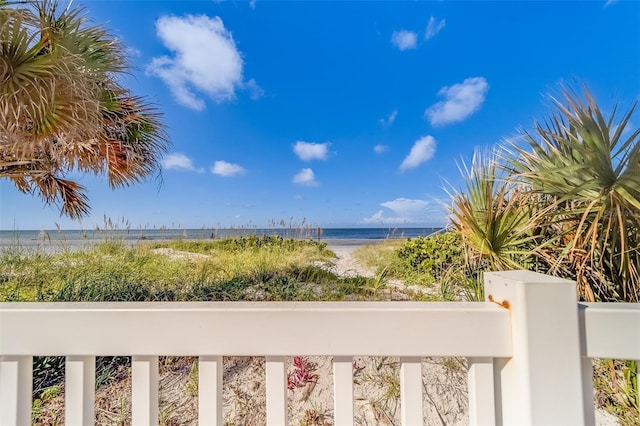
345,265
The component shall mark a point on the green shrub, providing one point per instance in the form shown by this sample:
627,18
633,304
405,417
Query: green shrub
249,242
433,255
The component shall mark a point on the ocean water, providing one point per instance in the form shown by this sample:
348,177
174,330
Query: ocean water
74,238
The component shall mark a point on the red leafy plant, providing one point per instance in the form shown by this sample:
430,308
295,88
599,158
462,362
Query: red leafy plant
302,373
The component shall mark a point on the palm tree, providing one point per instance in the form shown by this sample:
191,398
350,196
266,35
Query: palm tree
63,108
589,169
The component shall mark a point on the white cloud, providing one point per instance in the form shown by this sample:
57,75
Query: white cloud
403,211
255,91
222,168
461,100
177,161
406,206
252,4
380,149
390,119
305,177
404,40
610,2
204,60
131,52
422,150
378,218
434,27
308,151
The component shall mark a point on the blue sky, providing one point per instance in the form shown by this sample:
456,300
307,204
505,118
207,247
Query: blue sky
339,113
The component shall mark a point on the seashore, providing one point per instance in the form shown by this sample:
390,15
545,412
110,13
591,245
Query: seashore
51,241
55,239
338,246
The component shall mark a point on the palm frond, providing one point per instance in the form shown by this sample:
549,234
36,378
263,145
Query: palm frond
61,108
69,194
583,163
493,216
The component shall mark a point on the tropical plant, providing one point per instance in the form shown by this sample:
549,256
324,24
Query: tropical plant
494,216
567,201
63,108
588,168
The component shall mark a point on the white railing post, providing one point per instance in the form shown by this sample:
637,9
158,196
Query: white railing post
79,390
411,391
482,405
16,385
276,387
541,383
144,390
210,390
343,390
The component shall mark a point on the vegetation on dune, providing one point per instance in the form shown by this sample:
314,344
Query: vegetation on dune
244,268
432,256
64,109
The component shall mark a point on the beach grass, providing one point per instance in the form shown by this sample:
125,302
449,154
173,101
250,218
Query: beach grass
243,268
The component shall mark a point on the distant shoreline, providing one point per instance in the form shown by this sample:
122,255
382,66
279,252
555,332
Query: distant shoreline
340,244
77,239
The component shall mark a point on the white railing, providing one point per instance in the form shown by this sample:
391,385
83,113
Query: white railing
528,350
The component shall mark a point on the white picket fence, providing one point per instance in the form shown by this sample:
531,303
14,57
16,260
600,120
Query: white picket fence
529,350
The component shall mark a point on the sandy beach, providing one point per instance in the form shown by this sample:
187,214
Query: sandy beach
345,265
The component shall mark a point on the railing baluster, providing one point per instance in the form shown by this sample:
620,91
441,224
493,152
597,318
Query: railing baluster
343,390
144,390
482,409
210,390
587,391
276,375
411,391
79,390
16,385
